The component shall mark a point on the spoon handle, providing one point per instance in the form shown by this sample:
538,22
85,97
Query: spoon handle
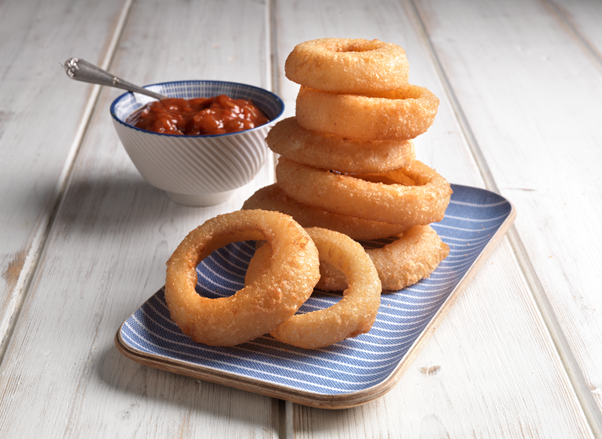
81,70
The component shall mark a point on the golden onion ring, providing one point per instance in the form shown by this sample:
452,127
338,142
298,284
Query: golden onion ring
342,65
399,114
413,195
256,309
353,315
401,263
326,151
274,198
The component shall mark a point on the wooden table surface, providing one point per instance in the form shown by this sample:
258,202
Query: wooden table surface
84,239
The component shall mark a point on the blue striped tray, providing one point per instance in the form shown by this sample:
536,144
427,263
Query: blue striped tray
348,373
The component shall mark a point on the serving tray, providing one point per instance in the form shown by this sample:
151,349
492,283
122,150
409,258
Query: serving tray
349,373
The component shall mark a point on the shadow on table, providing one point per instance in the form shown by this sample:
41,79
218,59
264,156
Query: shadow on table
95,204
153,387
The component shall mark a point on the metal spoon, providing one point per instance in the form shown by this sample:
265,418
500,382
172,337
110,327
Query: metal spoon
81,70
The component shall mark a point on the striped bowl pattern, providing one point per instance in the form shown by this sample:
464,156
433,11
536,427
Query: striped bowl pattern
197,170
473,218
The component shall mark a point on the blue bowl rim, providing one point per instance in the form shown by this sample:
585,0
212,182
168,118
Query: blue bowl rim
121,96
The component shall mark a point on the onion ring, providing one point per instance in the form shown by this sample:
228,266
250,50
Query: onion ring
353,315
326,151
413,195
403,262
274,198
256,309
342,65
399,114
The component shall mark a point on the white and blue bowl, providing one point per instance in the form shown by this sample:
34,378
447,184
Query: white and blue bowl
197,170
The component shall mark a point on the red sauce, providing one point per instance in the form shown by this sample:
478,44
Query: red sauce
200,116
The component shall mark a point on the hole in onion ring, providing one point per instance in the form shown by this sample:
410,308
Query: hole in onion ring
222,273
342,65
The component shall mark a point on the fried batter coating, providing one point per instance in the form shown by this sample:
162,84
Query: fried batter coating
258,308
405,261
341,154
400,114
342,65
413,195
354,314
274,198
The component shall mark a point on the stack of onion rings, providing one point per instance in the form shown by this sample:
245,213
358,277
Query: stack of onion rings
347,167
348,161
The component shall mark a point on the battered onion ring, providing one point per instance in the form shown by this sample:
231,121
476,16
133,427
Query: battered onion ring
403,262
348,66
256,309
326,151
413,195
354,314
274,198
399,114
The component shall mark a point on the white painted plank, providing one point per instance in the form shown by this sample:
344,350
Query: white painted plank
481,375
498,372
40,115
584,17
533,104
62,375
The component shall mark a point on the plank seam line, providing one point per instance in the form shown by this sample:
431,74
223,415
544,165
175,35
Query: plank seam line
274,59
273,47
566,356
284,427
30,267
563,16
290,420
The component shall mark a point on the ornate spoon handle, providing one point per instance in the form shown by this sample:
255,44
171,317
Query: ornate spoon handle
84,71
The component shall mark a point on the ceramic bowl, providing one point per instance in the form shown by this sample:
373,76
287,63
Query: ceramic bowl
197,170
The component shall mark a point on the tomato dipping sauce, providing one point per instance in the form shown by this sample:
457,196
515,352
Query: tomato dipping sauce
199,116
